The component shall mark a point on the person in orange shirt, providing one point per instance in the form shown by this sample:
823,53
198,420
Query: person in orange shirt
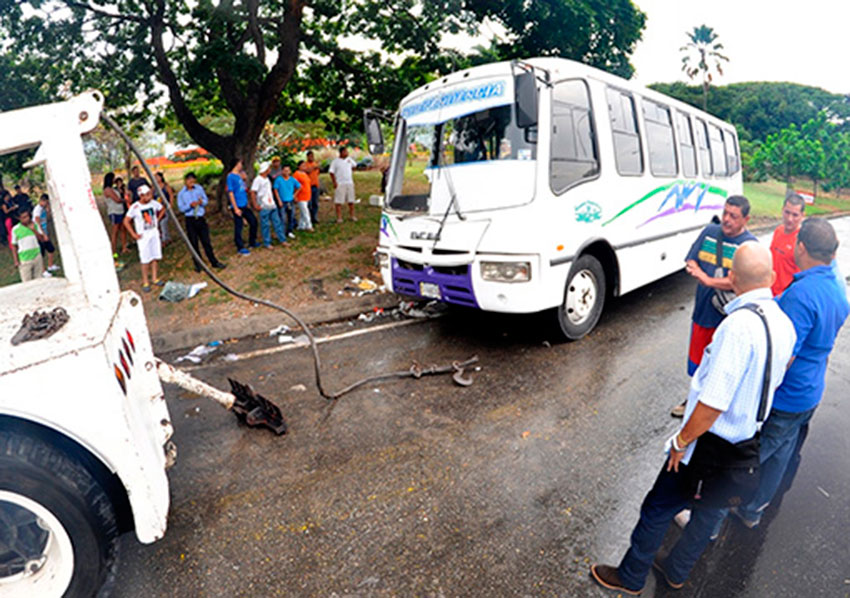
783,242
302,197
312,168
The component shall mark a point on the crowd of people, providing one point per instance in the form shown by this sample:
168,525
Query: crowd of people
26,232
764,323
285,202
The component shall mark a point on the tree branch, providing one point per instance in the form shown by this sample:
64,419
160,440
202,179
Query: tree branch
103,13
215,143
254,28
289,36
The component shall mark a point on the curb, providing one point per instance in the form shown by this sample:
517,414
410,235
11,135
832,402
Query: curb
320,313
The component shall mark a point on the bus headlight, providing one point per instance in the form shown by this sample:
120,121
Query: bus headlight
382,260
506,271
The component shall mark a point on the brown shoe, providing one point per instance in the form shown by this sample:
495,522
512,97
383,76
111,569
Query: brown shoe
607,577
656,564
679,410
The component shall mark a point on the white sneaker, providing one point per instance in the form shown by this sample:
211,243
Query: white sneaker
46,274
52,268
291,235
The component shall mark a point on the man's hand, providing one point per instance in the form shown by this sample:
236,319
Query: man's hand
692,268
675,458
237,211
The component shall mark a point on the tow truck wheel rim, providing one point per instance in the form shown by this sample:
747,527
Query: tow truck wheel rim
581,297
49,575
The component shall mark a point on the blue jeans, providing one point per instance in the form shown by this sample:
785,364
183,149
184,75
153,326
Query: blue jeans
667,497
779,437
272,216
287,216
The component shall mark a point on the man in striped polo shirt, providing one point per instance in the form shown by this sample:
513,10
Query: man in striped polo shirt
712,276
27,253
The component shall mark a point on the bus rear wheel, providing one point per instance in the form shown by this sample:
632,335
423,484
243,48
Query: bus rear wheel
584,298
58,530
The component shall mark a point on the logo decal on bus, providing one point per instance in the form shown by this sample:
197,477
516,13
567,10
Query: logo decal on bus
386,226
685,195
588,211
493,89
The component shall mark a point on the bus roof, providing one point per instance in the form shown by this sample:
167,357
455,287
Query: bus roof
558,68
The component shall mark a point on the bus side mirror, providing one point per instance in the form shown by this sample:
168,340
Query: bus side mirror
374,135
525,94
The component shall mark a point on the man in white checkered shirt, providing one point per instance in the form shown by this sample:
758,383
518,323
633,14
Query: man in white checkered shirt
724,399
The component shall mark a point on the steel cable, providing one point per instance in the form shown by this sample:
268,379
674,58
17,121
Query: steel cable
414,371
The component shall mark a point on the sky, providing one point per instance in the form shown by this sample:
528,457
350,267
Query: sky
766,40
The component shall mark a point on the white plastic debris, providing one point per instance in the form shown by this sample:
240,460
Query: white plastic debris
231,357
197,354
298,388
282,329
285,338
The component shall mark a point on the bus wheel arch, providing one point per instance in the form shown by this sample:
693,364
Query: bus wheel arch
593,278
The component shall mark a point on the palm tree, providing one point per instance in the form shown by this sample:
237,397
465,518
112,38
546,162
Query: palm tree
701,54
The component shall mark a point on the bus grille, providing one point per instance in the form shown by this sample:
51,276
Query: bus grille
455,282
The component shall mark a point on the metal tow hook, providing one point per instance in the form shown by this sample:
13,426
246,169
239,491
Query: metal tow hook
458,375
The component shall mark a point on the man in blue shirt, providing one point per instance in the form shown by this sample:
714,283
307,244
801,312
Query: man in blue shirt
285,187
240,209
724,399
713,277
817,305
192,202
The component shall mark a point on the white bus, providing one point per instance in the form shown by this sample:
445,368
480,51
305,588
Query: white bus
526,186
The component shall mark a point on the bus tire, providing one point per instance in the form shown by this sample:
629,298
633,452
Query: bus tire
584,298
61,528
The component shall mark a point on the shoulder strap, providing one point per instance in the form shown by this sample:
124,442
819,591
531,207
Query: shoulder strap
765,384
718,248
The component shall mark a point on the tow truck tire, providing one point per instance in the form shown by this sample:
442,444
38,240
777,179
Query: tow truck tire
584,298
53,511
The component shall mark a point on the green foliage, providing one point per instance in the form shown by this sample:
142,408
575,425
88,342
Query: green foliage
230,66
209,173
819,150
762,108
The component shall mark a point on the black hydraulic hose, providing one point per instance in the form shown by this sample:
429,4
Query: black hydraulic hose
317,363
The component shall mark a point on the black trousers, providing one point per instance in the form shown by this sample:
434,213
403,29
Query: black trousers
198,229
248,215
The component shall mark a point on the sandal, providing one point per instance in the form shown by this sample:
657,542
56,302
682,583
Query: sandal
159,283
146,288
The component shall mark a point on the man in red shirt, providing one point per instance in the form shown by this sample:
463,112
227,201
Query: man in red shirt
784,240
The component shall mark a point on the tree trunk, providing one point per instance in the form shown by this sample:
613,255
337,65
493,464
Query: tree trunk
705,96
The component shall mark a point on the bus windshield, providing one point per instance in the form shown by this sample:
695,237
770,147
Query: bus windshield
479,137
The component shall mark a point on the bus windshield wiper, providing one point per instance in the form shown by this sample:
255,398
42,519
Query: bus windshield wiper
452,203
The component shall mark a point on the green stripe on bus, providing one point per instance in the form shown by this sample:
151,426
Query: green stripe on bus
641,200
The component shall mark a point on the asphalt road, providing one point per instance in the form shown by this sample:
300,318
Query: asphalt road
510,487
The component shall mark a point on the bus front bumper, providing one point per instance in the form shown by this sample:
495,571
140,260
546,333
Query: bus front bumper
463,284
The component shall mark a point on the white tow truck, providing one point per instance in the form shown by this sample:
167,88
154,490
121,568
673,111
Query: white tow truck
84,427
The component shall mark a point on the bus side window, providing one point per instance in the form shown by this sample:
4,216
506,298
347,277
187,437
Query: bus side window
574,156
686,144
702,145
659,139
733,164
627,150
718,153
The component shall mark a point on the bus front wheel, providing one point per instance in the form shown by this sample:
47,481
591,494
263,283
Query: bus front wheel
584,298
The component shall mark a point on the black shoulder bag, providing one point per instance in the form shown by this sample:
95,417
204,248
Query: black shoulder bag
722,474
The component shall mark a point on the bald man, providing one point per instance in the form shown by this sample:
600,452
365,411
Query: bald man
724,397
